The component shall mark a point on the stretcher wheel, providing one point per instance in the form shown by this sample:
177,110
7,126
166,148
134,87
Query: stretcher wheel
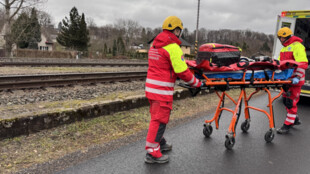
229,143
245,126
207,130
269,136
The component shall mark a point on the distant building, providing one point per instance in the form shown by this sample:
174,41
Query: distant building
48,38
46,44
139,48
185,46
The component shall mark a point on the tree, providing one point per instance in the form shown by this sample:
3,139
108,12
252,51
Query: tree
244,46
265,47
45,19
20,31
26,32
73,32
105,49
35,30
83,35
120,46
114,49
12,7
2,13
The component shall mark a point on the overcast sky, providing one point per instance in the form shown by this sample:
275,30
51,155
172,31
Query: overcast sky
256,15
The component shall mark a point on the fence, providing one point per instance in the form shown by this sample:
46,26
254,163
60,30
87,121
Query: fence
43,54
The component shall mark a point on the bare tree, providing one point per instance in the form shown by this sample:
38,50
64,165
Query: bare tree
45,19
129,29
12,8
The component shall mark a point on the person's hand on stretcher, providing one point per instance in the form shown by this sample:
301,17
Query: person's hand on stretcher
295,80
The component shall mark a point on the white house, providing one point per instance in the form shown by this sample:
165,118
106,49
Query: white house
48,38
46,43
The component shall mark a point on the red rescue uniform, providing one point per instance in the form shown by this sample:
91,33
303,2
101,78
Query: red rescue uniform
166,63
294,50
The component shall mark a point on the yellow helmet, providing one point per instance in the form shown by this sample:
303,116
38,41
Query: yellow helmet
285,32
172,22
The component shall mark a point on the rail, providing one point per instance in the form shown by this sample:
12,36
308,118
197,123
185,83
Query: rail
70,64
54,80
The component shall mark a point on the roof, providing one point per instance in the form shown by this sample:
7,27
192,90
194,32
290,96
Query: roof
185,43
50,33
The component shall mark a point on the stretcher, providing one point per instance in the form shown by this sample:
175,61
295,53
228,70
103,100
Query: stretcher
262,76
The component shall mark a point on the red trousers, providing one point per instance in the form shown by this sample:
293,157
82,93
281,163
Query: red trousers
160,114
290,100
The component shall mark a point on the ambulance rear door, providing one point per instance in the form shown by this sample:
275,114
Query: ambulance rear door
281,22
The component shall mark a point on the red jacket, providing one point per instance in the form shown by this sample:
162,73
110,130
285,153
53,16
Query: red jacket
166,63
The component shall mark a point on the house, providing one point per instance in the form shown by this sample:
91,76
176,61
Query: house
48,38
139,48
185,46
46,44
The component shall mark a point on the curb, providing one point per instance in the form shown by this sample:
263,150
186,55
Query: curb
31,124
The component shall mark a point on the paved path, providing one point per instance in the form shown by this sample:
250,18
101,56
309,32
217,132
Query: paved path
193,153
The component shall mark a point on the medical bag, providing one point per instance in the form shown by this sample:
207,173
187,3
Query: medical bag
218,54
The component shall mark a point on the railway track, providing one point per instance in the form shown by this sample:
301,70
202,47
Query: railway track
71,64
55,80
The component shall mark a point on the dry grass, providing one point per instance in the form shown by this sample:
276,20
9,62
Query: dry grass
24,151
14,111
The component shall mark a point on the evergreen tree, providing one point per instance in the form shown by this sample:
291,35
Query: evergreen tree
26,31
83,34
35,35
244,46
265,47
120,45
20,31
114,49
74,33
105,49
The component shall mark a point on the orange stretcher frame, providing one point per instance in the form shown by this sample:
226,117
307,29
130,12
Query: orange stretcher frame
259,84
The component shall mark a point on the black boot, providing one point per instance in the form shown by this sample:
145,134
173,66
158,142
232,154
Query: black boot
164,146
284,129
297,121
150,159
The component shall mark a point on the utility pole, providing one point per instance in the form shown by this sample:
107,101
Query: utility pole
196,41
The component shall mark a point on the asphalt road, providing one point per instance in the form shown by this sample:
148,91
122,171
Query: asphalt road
193,153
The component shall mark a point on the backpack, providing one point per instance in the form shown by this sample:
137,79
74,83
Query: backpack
218,54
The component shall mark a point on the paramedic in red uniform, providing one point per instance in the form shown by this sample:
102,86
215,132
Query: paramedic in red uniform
292,50
166,63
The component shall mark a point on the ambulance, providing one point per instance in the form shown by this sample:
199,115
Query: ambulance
299,23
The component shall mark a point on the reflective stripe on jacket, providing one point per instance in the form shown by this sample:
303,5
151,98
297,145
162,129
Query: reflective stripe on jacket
166,63
294,50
